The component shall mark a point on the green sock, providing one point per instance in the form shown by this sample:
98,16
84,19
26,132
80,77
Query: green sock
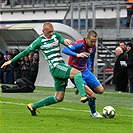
79,84
45,102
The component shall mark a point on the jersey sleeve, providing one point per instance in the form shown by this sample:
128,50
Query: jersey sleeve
68,50
71,49
60,38
34,45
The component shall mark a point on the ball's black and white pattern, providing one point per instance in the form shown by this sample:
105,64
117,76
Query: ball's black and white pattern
108,112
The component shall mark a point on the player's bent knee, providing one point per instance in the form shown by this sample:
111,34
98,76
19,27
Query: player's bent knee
73,72
60,99
99,89
100,92
59,96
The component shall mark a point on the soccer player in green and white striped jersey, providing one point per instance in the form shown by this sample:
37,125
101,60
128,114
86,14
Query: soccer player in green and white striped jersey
49,46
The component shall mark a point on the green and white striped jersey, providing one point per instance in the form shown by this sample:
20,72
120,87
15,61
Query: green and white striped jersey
50,49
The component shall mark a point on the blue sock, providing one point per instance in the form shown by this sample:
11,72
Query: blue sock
92,105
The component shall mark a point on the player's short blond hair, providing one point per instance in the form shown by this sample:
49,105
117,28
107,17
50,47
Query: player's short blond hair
47,24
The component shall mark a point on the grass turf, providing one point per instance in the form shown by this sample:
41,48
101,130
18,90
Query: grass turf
70,116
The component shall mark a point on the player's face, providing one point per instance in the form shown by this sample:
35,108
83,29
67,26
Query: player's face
91,41
48,31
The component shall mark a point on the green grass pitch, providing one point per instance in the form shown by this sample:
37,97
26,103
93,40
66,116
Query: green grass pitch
70,116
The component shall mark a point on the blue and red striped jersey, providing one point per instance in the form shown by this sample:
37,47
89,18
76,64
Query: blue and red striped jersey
79,47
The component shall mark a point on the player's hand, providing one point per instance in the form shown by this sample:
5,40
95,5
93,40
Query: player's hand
82,55
67,42
6,63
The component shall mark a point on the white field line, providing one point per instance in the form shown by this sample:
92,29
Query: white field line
67,109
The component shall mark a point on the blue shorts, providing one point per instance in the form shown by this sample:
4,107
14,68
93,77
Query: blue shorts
90,79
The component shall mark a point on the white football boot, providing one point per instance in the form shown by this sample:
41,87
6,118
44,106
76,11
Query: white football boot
96,115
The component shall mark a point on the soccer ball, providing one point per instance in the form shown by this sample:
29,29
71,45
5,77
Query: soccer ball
108,112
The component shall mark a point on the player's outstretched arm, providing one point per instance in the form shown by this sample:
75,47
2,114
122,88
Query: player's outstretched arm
69,51
6,63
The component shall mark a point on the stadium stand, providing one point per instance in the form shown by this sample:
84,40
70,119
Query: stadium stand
107,17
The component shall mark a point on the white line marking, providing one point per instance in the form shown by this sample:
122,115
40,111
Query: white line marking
67,109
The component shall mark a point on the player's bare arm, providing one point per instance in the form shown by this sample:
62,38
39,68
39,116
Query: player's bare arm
67,42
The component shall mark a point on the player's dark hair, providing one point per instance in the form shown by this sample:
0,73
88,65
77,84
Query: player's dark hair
92,33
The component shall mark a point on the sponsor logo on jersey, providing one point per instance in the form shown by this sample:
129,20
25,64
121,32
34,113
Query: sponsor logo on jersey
49,45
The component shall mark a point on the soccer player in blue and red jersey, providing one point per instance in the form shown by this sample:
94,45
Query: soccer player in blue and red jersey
80,53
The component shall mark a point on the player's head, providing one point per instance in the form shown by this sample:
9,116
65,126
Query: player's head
91,38
48,30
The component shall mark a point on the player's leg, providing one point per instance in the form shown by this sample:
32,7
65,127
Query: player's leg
89,91
92,82
59,96
75,88
64,71
44,102
77,76
99,89
91,102
59,86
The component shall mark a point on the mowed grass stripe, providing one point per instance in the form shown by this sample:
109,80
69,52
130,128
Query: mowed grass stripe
66,109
